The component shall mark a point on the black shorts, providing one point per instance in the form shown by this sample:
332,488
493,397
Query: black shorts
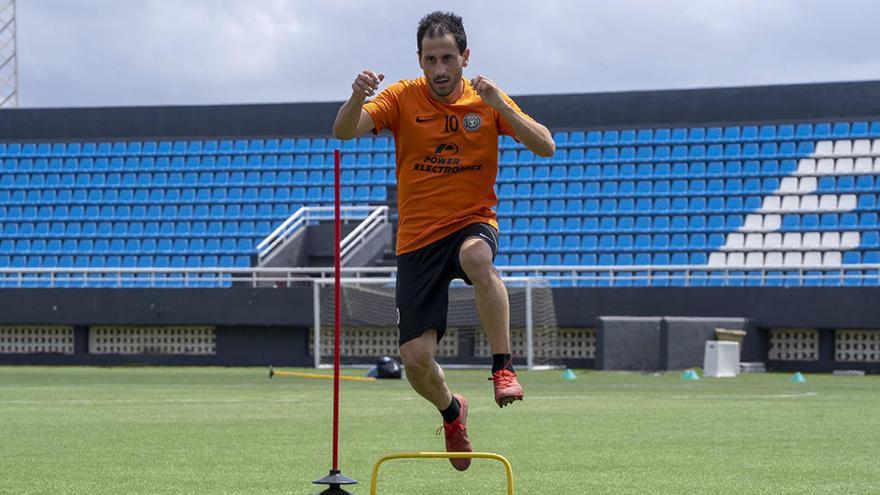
423,276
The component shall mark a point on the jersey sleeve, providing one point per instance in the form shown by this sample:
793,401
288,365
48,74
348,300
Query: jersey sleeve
503,125
385,108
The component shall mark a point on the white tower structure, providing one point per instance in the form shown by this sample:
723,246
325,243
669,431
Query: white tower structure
8,58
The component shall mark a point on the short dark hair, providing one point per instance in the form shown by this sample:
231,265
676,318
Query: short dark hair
439,23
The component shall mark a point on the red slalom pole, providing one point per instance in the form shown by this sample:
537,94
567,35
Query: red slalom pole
337,230
335,478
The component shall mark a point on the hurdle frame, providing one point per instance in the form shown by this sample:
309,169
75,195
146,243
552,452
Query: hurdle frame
374,479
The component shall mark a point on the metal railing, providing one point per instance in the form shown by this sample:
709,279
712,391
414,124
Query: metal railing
355,238
581,275
309,215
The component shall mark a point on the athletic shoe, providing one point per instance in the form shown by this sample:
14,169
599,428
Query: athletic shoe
456,436
507,388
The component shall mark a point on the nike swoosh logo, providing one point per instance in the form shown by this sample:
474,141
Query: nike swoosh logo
424,119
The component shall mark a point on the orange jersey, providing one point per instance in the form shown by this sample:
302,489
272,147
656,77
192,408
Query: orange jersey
447,159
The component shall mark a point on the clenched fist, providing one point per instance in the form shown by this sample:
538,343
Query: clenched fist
489,92
367,83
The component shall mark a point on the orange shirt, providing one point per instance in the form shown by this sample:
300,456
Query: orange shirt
447,159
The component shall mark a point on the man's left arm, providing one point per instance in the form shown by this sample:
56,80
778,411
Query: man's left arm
532,134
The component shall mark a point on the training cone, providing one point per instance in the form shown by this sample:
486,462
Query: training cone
690,375
798,378
568,374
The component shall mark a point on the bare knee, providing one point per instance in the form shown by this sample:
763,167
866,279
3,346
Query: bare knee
418,356
475,258
416,365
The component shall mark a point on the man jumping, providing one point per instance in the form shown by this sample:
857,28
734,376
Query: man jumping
446,132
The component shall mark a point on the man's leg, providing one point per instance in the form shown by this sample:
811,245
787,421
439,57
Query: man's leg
427,378
475,258
424,374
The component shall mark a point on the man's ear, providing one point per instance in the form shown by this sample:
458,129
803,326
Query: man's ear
465,54
419,55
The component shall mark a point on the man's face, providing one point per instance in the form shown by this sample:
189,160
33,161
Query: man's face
442,63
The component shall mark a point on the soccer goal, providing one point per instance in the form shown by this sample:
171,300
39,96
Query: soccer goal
368,324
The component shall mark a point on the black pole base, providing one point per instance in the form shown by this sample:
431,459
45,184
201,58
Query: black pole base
335,490
334,480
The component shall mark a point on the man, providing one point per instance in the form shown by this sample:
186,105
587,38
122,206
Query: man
446,137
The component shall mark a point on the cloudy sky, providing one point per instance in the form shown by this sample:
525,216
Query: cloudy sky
168,52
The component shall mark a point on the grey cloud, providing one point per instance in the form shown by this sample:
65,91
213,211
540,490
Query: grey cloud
105,52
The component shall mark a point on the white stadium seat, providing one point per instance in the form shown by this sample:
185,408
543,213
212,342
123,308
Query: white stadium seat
830,240
717,259
791,203
828,202
813,258
825,166
791,240
773,240
877,165
809,202
875,148
831,258
863,165
753,222
736,259
843,147
754,241
847,202
772,222
793,258
861,147
806,166
773,258
811,240
789,184
843,166
850,240
755,259
807,185
771,203
735,240
824,148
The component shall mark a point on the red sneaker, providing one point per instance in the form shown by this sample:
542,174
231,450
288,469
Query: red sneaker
507,388
456,436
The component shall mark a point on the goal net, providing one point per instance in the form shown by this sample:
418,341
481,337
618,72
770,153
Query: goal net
368,324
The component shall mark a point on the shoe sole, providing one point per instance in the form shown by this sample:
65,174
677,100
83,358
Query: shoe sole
510,399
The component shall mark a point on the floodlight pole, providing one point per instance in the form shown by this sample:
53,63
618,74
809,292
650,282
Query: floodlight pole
335,479
8,55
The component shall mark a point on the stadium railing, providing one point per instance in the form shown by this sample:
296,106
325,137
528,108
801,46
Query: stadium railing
583,275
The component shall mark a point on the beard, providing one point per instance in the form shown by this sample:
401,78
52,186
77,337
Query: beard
449,87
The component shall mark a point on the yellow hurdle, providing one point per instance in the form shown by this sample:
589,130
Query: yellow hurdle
442,455
299,374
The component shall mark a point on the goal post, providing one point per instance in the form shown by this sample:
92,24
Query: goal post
369,324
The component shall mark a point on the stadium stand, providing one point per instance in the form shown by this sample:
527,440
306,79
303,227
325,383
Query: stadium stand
759,204
743,196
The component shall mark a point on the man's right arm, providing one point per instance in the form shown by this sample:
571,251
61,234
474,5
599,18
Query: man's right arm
352,120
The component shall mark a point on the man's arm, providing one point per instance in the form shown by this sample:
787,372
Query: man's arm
352,120
533,135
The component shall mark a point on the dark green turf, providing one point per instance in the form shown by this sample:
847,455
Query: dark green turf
232,430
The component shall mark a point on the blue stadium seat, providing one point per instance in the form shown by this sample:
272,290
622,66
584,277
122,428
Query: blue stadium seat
555,224
518,243
537,242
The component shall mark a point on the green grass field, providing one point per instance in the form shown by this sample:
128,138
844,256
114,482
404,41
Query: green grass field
232,430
